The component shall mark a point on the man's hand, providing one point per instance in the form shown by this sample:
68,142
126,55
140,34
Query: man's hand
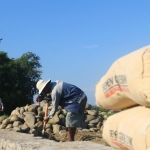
46,118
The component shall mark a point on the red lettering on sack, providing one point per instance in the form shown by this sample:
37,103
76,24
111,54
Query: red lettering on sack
115,89
121,145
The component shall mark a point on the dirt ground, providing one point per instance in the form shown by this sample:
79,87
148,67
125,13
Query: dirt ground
95,137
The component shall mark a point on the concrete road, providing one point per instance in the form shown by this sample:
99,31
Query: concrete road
10,140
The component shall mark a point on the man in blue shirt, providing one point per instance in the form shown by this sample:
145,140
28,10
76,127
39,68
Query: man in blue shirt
69,97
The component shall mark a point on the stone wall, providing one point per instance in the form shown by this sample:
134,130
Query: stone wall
29,119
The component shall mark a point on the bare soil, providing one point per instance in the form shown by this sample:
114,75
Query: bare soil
95,137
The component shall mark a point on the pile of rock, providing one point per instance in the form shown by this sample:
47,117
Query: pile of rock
29,119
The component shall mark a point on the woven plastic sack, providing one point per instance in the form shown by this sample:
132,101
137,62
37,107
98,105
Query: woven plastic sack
129,129
127,82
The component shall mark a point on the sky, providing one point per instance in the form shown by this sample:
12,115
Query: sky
77,40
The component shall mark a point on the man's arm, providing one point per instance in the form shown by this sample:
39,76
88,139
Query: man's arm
55,103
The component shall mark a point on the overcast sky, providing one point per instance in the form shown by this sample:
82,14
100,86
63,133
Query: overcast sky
76,40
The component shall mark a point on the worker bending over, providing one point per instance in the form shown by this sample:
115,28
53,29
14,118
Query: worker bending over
69,97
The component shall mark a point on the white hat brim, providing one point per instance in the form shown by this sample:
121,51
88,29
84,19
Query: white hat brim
41,89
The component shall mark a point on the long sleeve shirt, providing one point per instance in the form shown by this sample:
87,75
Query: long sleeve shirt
65,95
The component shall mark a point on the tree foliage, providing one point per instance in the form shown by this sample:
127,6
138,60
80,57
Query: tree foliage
18,78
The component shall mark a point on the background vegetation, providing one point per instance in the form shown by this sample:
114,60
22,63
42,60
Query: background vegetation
18,79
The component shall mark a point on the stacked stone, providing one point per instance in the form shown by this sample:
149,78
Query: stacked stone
29,119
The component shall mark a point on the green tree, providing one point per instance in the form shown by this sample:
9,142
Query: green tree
18,79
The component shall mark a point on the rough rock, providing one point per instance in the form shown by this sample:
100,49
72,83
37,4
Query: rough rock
29,119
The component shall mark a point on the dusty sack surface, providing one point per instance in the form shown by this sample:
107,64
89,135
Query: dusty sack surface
126,83
126,131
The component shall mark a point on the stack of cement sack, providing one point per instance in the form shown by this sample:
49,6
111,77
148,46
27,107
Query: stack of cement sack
29,119
126,86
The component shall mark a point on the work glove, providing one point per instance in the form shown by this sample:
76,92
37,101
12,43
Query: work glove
39,98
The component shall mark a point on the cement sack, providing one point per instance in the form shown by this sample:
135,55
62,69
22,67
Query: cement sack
127,82
129,129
